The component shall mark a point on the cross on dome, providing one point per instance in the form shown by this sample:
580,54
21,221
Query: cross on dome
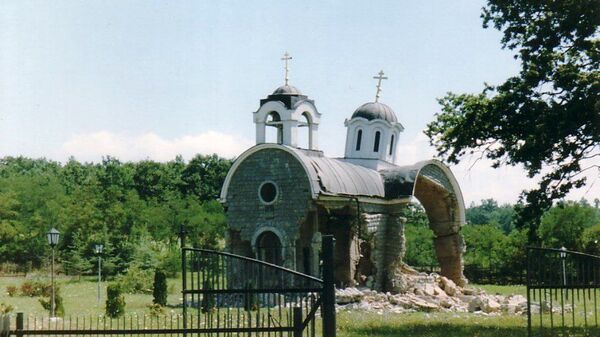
286,57
379,78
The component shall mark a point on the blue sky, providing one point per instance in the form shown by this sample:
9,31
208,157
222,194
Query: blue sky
150,79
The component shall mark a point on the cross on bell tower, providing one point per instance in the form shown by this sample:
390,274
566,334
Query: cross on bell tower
286,57
379,78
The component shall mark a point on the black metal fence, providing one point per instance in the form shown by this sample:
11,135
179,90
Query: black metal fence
562,293
231,293
224,295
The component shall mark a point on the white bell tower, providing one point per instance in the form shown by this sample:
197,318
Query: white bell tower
372,133
287,110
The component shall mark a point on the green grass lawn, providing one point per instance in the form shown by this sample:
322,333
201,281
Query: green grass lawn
80,300
80,297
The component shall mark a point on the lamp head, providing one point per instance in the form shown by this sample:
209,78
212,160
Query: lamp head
53,235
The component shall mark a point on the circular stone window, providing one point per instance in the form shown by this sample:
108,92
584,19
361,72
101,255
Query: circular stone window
267,192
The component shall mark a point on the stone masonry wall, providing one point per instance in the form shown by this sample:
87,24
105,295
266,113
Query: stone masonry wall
247,214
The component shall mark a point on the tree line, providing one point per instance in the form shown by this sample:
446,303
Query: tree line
133,209
494,242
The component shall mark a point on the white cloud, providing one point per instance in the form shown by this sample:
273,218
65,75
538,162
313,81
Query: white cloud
478,180
92,146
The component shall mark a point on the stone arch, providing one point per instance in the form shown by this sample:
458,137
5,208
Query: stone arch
433,184
439,194
272,232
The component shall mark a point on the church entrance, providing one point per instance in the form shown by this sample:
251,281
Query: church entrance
268,248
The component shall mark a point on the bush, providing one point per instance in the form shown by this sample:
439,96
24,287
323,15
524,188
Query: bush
136,281
160,288
12,291
5,308
115,301
46,303
156,310
36,288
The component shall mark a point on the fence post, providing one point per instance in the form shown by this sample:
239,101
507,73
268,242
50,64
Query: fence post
328,286
19,324
297,322
182,234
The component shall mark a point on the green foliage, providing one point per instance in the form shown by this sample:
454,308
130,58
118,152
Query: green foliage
564,225
419,246
35,289
136,281
159,289
156,310
590,240
46,302
133,209
548,115
115,301
5,308
489,213
12,291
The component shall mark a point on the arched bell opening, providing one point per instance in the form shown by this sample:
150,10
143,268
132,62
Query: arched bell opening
305,125
274,128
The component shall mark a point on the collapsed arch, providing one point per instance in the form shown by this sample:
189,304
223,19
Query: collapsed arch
433,184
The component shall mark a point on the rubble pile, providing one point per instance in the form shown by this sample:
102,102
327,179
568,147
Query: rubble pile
431,293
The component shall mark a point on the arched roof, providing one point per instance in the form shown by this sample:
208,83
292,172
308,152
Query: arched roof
328,176
331,176
402,181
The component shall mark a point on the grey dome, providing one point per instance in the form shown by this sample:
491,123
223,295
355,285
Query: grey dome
287,90
376,110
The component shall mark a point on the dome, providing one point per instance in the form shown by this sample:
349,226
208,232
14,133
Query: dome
376,110
287,90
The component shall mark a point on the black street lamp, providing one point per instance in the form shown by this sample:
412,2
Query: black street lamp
53,235
563,257
98,250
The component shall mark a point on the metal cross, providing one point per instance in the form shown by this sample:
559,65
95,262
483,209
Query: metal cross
380,77
286,57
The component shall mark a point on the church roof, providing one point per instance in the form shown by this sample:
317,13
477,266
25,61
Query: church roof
337,177
376,110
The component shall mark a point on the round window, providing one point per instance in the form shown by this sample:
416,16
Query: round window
267,192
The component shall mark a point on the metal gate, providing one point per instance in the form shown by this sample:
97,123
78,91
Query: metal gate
562,293
231,295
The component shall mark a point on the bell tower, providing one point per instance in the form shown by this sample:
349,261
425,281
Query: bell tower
373,132
289,111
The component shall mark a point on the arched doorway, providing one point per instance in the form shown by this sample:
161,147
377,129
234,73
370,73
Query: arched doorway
269,248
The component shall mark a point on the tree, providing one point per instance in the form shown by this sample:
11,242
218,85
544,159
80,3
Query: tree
564,225
547,118
489,213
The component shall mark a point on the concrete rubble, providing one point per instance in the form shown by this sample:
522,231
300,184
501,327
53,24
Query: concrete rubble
431,293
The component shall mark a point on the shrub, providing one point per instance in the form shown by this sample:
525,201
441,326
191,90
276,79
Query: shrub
156,310
36,288
12,291
115,301
5,308
160,288
46,303
136,281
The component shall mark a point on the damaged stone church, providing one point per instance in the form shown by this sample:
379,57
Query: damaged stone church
280,198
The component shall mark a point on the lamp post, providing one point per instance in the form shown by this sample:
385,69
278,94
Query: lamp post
53,235
98,250
563,257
